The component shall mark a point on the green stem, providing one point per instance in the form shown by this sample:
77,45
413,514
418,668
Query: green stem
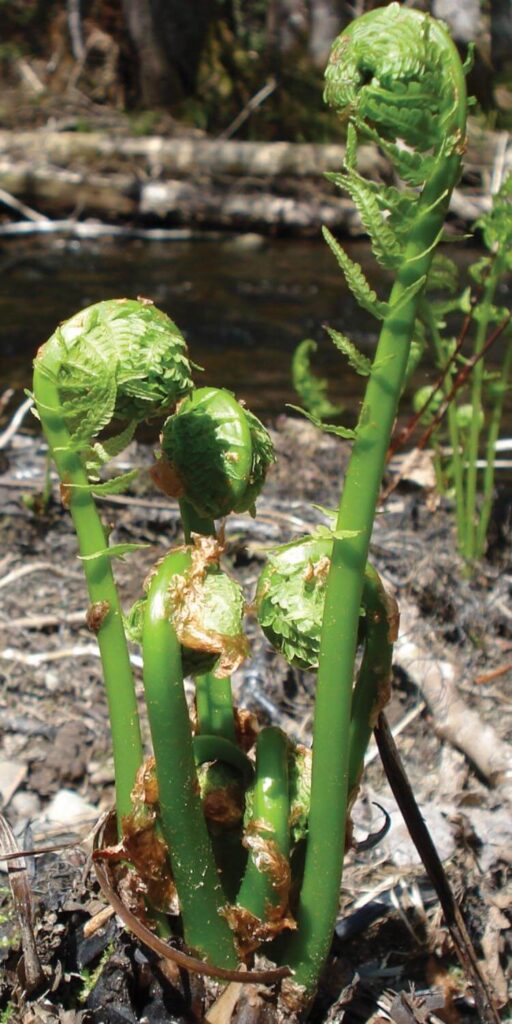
92,541
492,437
485,311
373,680
453,428
214,706
269,820
214,697
182,820
309,946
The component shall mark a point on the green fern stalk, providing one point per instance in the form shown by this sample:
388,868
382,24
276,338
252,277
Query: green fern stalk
181,816
457,461
472,548
376,67
371,691
500,390
92,541
270,811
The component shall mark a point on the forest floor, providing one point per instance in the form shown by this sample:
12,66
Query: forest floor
392,957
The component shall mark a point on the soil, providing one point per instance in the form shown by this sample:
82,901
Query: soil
392,958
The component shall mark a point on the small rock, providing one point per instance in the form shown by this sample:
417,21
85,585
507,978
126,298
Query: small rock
52,681
12,774
25,804
69,808
248,242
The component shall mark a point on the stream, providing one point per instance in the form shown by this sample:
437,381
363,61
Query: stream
242,303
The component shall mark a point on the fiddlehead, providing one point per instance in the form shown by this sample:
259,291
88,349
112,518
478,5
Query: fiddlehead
205,608
217,453
120,360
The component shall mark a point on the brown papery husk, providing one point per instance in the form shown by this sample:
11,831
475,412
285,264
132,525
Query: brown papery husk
115,894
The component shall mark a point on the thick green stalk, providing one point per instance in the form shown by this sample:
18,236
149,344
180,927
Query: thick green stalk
471,526
122,705
214,706
492,437
182,821
269,822
309,946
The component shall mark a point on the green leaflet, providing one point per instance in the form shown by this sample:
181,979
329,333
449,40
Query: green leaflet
312,390
328,428
103,451
351,148
356,280
117,485
443,273
408,294
115,551
385,245
359,362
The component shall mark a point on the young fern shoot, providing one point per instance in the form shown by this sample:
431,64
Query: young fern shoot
87,376
396,76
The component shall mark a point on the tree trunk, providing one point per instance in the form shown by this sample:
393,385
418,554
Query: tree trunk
168,37
327,19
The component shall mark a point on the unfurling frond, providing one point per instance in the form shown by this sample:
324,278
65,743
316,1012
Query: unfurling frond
312,390
395,72
120,359
347,433
385,244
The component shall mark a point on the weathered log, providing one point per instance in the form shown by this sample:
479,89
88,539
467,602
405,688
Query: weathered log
205,183
176,202
200,157
60,193
184,157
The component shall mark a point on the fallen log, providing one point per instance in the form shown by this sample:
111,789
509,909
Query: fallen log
195,158
187,158
240,206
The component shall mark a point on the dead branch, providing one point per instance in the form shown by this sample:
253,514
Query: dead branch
453,720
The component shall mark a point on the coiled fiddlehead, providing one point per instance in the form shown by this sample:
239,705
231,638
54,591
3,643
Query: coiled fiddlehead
393,73
120,360
218,453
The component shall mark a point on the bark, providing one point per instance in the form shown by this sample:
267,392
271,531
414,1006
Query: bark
168,38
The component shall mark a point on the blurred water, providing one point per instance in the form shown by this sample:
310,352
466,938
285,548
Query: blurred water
243,309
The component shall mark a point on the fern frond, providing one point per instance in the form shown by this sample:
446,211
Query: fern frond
116,485
329,428
443,274
351,148
312,390
115,551
356,280
359,362
100,413
103,451
385,245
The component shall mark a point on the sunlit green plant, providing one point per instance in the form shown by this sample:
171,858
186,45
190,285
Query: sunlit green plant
252,829
471,396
